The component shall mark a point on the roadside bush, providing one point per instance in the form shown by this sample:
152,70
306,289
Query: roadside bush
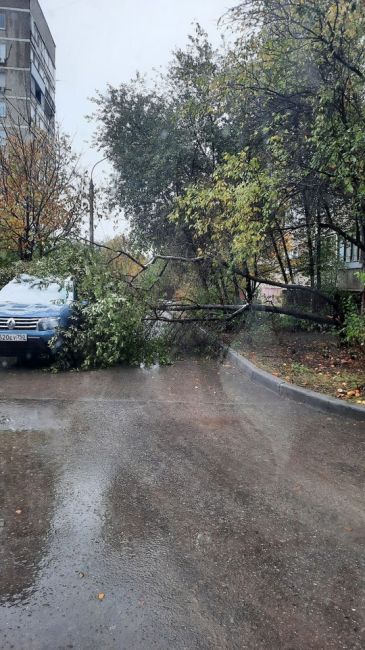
353,331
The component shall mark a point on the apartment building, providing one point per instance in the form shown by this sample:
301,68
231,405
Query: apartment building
27,67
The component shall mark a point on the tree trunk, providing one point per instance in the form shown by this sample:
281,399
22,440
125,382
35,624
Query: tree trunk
318,252
278,257
311,267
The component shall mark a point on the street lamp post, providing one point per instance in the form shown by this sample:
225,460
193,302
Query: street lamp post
92,202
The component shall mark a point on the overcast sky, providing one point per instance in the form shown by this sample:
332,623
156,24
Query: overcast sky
100,42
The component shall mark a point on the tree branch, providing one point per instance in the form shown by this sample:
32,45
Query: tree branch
292,287
238,310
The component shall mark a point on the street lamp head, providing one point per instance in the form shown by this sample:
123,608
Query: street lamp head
96,164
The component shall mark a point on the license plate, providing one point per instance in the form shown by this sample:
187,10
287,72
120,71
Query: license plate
13,338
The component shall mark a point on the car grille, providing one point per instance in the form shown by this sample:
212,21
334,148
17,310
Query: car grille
20,324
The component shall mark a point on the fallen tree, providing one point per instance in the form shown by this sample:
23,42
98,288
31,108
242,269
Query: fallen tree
162,311
229,312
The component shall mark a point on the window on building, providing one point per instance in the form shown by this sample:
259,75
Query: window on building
349,253
2,81
2,109
38,94
2,21
49,107
2,52
36,91
2,138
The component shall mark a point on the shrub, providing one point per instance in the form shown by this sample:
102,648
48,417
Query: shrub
354,324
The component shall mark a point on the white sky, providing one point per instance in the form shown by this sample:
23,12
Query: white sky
100,42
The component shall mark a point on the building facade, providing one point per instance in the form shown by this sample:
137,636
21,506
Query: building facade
27,67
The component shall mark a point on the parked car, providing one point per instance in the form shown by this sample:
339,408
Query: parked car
32,310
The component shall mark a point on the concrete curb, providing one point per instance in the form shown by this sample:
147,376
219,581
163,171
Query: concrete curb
329,405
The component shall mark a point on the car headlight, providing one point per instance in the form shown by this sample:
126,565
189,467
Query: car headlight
46,324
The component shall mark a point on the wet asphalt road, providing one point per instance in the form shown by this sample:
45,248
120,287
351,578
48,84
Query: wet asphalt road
210,513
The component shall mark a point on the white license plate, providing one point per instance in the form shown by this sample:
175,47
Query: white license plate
13,338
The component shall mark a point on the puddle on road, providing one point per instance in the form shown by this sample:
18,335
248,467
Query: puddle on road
26,506
28,417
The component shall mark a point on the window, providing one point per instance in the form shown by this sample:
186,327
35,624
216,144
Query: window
349,253
2,52
2,109
2,21
36,90
2,138
2,81
38,93
49,107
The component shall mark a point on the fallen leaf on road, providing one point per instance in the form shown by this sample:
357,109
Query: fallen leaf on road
101,596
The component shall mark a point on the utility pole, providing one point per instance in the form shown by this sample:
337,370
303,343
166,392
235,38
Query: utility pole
92,204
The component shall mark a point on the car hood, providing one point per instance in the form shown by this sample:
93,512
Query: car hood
32,311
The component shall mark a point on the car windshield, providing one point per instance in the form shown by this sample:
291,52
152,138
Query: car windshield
28,290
